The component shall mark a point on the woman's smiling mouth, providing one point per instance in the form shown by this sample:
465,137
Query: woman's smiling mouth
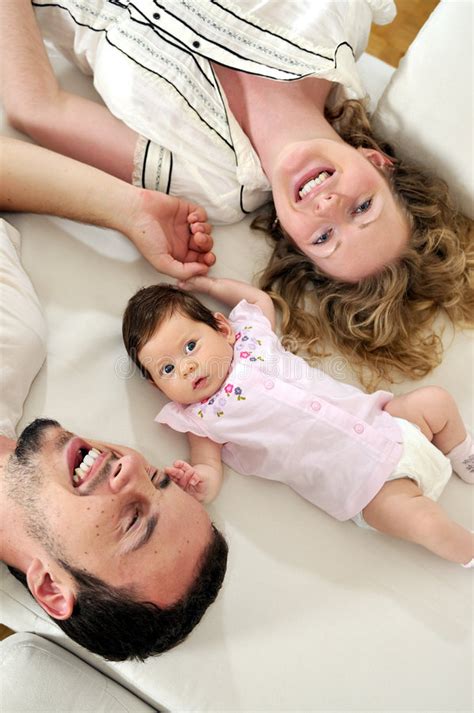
312,182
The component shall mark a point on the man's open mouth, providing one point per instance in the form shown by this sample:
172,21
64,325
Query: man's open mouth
85,459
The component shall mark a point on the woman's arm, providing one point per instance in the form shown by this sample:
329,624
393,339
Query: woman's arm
202,478
170,233
230,292
37,106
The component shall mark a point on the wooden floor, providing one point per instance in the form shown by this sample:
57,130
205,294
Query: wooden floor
389,43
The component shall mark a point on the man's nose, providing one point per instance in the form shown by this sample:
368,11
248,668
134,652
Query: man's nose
123,474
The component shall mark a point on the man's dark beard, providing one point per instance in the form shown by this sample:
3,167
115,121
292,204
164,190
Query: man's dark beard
31,438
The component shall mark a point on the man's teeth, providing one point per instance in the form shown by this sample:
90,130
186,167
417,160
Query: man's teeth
316,181
87,463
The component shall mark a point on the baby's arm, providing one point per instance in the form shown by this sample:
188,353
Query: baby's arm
230,292
203,477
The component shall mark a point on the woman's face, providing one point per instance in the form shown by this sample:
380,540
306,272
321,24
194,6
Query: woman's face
336,204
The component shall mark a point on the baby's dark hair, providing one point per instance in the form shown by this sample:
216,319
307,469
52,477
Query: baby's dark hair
149,308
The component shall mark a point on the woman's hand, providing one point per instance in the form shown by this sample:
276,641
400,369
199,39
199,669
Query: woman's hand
171,233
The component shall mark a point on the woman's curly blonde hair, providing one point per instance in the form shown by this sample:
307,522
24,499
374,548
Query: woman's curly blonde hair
382,324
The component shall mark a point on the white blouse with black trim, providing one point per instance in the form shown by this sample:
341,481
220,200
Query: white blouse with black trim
151,62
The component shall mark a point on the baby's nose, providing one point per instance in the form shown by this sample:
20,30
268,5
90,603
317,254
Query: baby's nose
189,367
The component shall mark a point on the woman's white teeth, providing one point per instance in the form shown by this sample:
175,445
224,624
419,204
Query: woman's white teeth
316,181
85,466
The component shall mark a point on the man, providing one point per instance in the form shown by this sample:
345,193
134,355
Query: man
107,552
122,559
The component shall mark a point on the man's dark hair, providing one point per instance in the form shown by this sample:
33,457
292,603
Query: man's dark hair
149,308
108,621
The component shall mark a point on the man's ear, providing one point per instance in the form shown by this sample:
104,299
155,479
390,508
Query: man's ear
53,593
376,158
224,327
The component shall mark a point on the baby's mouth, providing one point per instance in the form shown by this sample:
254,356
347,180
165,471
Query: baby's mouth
200,382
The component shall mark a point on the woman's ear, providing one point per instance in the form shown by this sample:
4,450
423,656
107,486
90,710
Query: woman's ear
224,327
53,592
376,158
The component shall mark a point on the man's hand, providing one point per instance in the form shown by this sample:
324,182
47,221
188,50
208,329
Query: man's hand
171,233
197,480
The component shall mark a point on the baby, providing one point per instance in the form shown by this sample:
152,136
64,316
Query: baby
241,397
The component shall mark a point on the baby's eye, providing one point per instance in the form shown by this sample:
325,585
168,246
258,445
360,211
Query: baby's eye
167,369
323,238
190,346
364,207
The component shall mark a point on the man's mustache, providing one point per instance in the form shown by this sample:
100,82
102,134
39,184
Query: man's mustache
31,438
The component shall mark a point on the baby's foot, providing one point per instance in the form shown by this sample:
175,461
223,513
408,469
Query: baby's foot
462,459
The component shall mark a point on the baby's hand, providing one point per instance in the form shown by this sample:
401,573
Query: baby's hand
189,479
198,284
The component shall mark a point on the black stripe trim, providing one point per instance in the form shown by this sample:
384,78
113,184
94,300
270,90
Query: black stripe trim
160,31
218,44
132,59
242,201
341,44
144,163
269,32
169,175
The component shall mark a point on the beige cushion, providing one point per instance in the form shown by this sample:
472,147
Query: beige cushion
40,677
427,108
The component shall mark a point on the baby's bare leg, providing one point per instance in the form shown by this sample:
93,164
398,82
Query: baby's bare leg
401,510
434,410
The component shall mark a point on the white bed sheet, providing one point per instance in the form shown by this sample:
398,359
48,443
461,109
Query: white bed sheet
314,615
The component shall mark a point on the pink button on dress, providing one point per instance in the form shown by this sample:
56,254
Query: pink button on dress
279,418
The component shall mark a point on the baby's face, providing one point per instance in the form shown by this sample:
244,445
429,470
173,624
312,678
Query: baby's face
189,361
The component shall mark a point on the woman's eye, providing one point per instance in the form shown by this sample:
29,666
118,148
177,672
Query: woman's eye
133,519
364,207
322,238
167,369
190,347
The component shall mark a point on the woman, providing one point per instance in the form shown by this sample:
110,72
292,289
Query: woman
209,108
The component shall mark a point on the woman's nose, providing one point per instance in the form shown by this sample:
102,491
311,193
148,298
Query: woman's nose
326,203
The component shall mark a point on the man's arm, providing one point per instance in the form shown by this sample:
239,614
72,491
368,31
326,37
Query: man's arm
169,232
37,106
230,292
202,478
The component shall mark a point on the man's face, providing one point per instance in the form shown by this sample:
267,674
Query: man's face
123,520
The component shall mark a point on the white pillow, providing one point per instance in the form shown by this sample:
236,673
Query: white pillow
426,110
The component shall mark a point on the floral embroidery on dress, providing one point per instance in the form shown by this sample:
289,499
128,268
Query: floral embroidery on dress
216,404
246,346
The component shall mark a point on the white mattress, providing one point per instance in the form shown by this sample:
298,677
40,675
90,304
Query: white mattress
314,615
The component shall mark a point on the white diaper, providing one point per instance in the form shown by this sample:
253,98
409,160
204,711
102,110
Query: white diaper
421,461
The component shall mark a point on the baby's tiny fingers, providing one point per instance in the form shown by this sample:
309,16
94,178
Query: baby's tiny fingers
198,214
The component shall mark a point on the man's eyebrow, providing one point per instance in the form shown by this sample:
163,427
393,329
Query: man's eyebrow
148,532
